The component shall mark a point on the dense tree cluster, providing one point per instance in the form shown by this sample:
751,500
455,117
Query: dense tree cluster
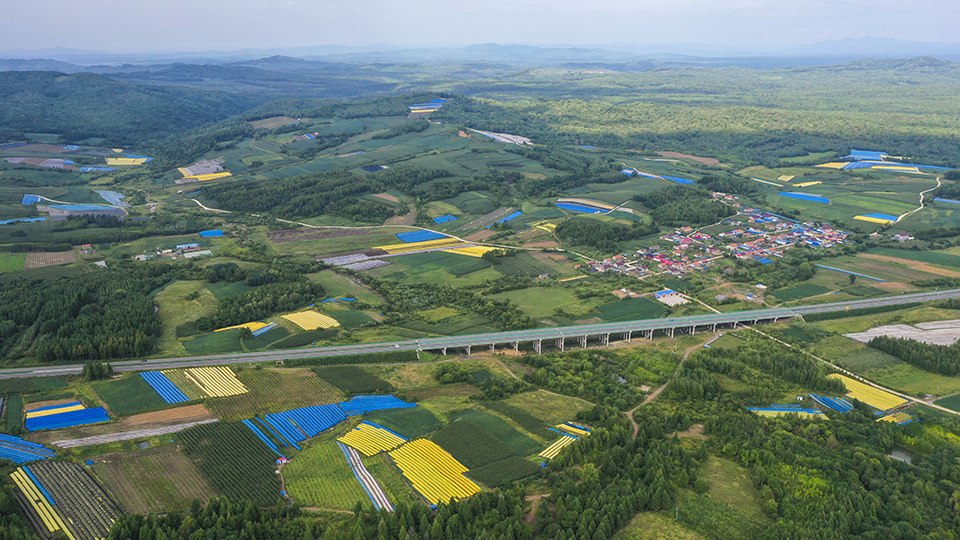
779,273
96,370
684,205
728,184
414,126
494,387
597,377
260,302
943,359
599,234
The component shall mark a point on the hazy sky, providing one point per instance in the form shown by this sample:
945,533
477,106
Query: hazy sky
122,26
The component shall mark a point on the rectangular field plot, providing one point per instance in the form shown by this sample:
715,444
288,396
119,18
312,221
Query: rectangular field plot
216,381
631,310
470,444
353,379
524,419
504,432
805,290
434,473
273,391
952,402
410,422
501,473
320,476
371,439
311,320
158,480
343,287
129,395
86,510
233,460
549,408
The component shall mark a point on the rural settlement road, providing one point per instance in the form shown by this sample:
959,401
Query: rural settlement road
480,340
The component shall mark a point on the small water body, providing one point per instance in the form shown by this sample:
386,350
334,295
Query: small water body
901,455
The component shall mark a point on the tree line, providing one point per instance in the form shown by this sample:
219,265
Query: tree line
942,359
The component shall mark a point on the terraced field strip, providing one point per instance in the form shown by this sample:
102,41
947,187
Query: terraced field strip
434,473
128,435
87,510
369,483
38,505
371,439
216,381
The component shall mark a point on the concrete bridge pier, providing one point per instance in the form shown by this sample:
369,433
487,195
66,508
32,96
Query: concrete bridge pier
468,350
516,347
493,348
627,336
693,330
605,339
714,327
444,351
669,332
538,346
650,334
560,344
583,341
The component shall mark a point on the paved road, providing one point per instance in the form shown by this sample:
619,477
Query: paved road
498,338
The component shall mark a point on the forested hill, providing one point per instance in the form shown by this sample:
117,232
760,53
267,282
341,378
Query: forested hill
87,105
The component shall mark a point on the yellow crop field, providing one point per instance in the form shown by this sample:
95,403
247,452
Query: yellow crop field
434,473
417,246
311,320
874,220
115,161
472,251
896,417
216,381
785,177
48,412
371,439
833,165
587,202
573,429
874,397
211,176
253,326
558,445
801,414
51,520
805,184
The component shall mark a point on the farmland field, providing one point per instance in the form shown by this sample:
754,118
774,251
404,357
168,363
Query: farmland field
501,473
129,395
214,342
951,402
233,460
273,391
320,476
502,431
165,417
800,291
539,302
176,310
391,480
523,418
548,407
470,444
656,526
12,262
338,286
157,480
353,380
931,257
914,381
85,508
39,260
410,422
631,310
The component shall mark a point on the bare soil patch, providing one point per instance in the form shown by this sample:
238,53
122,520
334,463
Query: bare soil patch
40,404
695,432
479,235
549,244
167,417
39,260
270,123
407,219
297,235
704,160
387,197
916,265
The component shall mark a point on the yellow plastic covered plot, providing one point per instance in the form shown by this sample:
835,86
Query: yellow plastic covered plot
834,165
874,220
115,161
253,326
311,320
551,451
370,440
51,520
419,246
472,251
433,472
874,397
47,412
211,176
216,381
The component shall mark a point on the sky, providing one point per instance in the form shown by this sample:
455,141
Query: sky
139,26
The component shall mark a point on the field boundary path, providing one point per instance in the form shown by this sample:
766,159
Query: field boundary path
922,193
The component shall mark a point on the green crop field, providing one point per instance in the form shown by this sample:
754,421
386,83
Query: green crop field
340,286
353,379
12,262
266,339
656,526
539,302
13,410
30,385
129,395
214,342
931,257
175,310
231,457
226,290
631,310
153,481
915,381
549,408
523,418
349,317
391,480
951,402
321,476
411,422
865,360
805,290
273,391
470,444
501,473
504,432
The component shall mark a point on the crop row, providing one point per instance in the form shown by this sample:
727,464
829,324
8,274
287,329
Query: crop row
369,483
235,461
218,381
433,472
20,451
372,439
40,505
164,386
86,509
300,424
551,451
364,404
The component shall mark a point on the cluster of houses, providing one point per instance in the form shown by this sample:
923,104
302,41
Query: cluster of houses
753,235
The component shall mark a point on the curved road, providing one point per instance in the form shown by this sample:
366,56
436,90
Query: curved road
479,340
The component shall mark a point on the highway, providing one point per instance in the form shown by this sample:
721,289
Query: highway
498,338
